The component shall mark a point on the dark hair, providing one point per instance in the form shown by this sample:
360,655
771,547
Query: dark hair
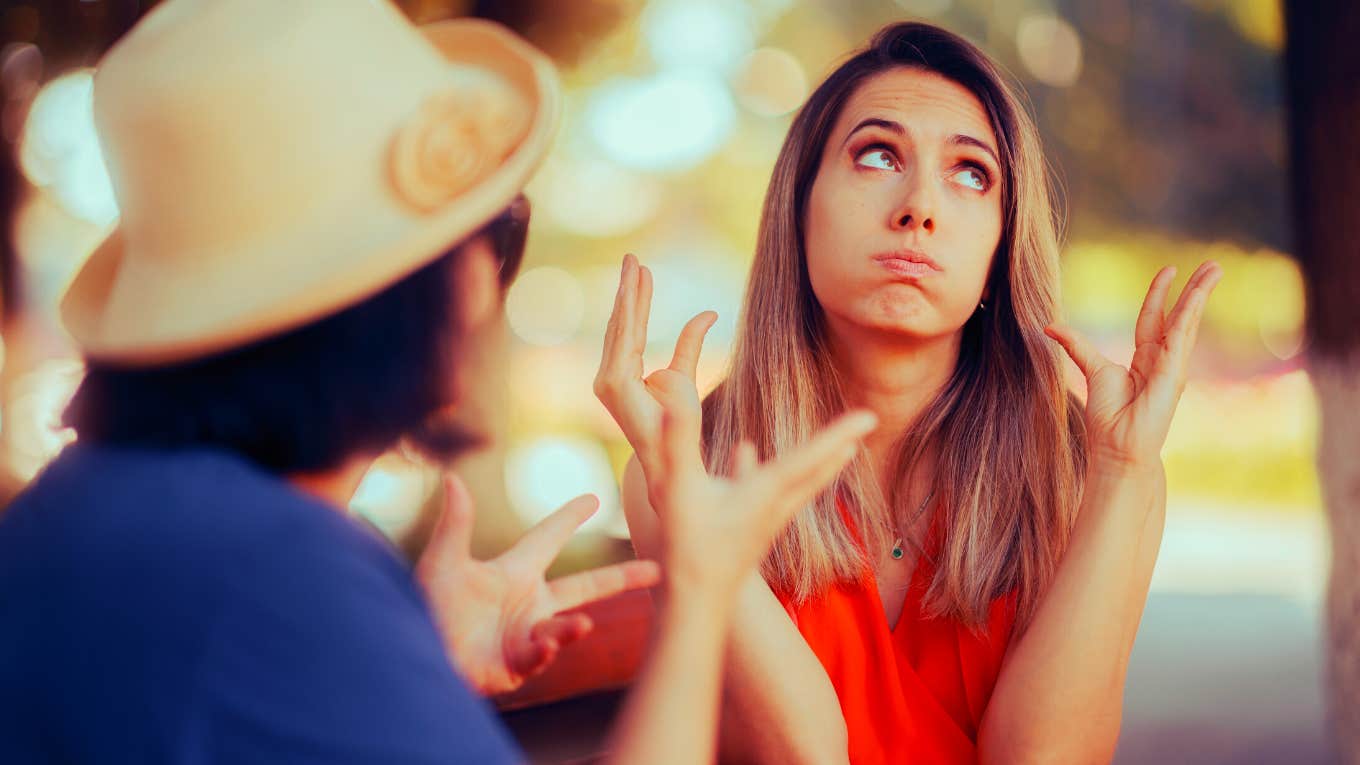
353,382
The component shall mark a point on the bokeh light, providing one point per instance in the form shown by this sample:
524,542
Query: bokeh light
60,150
1050,49
668,122
771,82
925,7
594,197
710,35
545,306
545,473
392,492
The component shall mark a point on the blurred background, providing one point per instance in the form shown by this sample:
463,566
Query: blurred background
1164,122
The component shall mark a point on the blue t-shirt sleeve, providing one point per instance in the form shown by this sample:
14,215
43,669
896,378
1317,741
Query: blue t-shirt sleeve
326,653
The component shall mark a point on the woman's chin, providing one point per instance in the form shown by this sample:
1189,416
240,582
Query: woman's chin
896,329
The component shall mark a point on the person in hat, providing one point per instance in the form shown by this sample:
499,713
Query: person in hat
318,201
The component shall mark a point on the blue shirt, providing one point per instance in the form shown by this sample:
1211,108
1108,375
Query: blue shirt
187,607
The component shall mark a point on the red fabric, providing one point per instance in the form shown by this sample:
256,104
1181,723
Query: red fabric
915,693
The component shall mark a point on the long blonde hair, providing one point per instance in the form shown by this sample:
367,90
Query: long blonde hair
1009,435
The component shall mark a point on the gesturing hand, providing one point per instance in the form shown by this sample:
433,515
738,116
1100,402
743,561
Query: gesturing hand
714,529
620,386
501,621
1128,411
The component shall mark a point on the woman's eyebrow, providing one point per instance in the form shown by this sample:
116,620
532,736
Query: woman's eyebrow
968,140
891,126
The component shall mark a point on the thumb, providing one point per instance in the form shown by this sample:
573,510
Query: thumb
691,343
452,535
1082,352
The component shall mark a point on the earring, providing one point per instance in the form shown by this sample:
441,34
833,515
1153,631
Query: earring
982,305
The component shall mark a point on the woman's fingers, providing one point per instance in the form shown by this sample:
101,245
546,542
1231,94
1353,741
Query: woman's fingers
626,333
1208,273
1082,352
1149,326
642,310
1197,317
1173,363
1184,329
691,343
793,479
613,328
628,310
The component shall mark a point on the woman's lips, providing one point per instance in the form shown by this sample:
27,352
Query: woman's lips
909,264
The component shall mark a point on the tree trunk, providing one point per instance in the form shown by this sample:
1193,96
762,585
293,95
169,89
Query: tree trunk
1322,66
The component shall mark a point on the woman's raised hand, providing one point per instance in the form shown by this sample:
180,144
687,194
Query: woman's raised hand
1128,410
714,529
620,385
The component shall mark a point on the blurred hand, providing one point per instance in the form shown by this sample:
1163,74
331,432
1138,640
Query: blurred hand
715,530
502,623
1128,411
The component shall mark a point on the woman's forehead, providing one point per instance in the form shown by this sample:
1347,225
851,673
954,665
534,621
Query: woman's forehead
926,103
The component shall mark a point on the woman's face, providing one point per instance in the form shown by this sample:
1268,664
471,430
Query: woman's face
904,215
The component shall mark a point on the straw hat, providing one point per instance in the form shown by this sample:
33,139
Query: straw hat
276,162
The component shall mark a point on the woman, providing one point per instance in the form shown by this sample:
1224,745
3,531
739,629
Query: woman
970,587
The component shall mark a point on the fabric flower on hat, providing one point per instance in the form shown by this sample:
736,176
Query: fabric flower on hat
456,138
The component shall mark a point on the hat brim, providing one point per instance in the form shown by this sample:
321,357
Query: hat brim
126,313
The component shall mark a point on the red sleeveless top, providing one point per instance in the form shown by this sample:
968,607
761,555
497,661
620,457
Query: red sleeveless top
912,693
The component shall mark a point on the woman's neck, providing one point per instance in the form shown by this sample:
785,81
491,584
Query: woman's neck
894,379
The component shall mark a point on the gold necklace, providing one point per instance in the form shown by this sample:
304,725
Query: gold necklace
897,551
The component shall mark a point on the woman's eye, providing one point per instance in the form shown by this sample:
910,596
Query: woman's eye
879,159
972,178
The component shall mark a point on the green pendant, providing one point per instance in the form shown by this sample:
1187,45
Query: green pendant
897,552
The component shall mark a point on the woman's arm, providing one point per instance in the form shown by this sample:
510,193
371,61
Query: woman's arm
782,706
1060,694
676,694
778,703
